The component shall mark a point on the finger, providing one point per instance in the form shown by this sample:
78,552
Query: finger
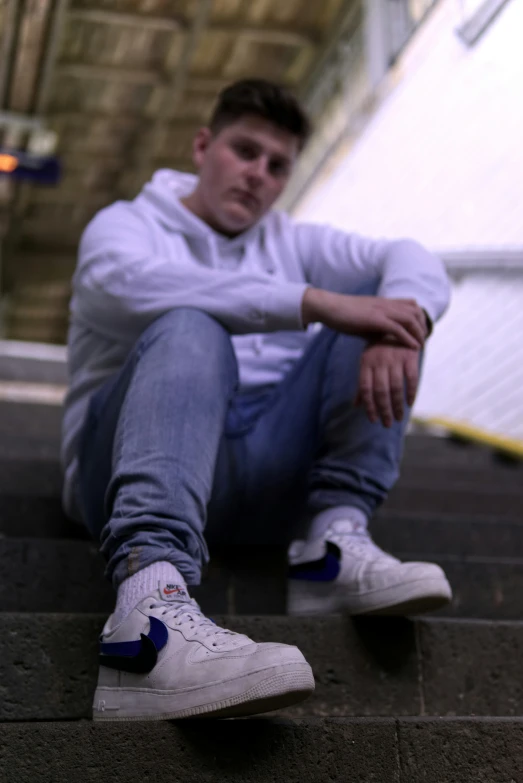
414,326
401,334
397,395
412,379
365,393
416,313
382,400
415,308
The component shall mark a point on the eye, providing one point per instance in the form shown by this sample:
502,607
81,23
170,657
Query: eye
245,151
279,168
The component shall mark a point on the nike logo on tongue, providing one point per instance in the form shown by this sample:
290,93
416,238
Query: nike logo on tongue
171,590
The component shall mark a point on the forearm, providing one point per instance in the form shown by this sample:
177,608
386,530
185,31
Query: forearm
339,262
122,309
316,304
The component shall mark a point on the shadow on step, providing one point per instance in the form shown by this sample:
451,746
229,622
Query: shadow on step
255,747
389,641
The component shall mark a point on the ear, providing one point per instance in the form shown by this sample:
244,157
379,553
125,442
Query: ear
200,146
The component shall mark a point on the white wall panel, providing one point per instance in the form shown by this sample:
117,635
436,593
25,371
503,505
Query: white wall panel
474,363
442,159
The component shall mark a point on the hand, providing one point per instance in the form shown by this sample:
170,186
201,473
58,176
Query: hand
385,369
367,316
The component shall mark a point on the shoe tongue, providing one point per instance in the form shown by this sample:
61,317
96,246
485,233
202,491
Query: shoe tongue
172,593
349,527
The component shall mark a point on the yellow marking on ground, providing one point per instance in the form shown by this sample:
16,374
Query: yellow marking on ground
461,429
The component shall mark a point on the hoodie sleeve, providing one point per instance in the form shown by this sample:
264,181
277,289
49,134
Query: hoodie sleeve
343,262
121,284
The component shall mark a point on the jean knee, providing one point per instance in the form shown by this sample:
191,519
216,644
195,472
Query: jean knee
186,319
194,335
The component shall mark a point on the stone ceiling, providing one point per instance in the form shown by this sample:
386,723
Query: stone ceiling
125,84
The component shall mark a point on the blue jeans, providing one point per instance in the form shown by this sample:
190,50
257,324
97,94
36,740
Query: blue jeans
173,458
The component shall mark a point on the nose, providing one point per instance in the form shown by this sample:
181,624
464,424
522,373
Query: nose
257,171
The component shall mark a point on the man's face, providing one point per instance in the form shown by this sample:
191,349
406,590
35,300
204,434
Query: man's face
243,169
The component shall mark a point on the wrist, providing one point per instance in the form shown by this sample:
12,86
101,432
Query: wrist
311,306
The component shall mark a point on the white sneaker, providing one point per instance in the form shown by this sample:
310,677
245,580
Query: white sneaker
167,660
344,571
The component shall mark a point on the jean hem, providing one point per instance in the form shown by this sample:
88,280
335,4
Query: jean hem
368,507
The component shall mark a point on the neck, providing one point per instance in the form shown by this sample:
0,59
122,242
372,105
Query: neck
195,204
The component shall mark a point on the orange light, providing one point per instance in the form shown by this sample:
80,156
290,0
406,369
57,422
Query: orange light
8,163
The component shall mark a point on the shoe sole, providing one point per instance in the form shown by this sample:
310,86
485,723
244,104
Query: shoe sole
400,600
408,607
289,685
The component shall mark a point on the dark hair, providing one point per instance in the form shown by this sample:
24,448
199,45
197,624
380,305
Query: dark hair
264,99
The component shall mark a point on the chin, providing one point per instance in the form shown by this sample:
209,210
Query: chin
236,223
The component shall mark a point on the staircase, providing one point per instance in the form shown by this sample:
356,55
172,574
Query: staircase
397,701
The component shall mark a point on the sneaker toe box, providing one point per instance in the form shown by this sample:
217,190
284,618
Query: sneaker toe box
281,653
419,570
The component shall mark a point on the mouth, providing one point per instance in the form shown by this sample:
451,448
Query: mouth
247,199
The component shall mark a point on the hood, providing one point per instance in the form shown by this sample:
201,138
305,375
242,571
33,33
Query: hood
161,196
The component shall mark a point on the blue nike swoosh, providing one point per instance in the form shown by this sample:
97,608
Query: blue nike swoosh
324,570
138,657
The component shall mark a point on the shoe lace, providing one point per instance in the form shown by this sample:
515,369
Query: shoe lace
189,615
355,540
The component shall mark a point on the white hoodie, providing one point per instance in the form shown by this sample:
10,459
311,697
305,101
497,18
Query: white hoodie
142,258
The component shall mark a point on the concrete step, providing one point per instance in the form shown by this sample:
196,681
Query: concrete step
367,666
30,498
57,575
26,420
26,515
24,440
483,588
32,363
29,420
258,750
495,476
458,535
33,476
481,501
456,450
12,446
30,505
40,474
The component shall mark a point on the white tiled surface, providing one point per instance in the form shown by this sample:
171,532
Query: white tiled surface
474,364
442,159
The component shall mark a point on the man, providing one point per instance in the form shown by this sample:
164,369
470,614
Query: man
205,405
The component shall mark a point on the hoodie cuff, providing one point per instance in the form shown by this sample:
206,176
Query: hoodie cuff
283,307
428,321
432,310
